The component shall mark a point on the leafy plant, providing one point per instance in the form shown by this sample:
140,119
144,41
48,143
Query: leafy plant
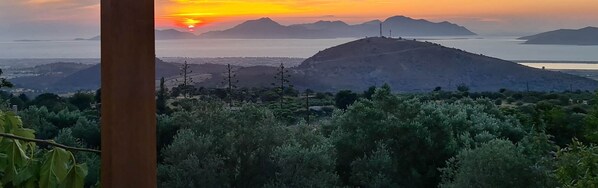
23,164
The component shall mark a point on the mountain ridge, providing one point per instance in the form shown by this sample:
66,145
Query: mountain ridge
265,28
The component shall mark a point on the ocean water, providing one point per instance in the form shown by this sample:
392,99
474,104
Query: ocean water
507,48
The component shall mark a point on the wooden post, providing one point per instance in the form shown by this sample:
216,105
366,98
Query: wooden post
128,103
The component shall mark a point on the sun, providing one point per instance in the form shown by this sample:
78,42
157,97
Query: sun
191,23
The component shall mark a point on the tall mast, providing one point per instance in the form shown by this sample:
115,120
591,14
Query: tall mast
381,30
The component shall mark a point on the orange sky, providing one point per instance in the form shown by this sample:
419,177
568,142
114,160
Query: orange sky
184,12
65,18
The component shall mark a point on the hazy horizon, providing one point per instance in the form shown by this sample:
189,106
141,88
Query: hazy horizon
67,19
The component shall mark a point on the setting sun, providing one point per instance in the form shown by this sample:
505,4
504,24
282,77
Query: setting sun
191,23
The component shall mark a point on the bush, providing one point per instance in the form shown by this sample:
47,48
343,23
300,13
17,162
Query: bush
498,163
578,165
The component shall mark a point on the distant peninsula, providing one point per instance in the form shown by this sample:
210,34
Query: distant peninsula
266,28
167,34
584,36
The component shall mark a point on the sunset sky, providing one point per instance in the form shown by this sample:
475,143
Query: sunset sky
40,19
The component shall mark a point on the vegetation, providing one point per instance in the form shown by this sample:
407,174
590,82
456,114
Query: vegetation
25,164
370,139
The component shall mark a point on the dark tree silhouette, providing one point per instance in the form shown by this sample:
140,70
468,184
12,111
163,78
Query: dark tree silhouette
345,98
462,88
230,80
4,83
282,79
186,82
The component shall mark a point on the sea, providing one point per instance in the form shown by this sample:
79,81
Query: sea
508,48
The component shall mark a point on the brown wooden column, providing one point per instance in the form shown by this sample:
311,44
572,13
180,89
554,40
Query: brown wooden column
128,104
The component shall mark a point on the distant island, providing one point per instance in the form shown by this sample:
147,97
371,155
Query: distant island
584,36
31,40
167,34
266,28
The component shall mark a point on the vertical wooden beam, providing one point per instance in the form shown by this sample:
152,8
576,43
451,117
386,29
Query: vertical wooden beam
128,103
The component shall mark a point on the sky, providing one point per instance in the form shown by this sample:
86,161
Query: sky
67,19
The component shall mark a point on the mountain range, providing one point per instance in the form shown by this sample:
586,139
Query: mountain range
266,28
584,36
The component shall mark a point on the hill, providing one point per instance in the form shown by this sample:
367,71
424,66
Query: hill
45,76
411,66
266,28
584,36
89,79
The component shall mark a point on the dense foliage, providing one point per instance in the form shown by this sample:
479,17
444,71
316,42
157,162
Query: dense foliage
442,139
353,139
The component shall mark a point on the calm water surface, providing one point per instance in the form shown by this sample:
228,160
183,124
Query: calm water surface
501,47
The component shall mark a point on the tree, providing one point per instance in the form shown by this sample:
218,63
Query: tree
51,101
222,148
162,97
230,81
370,92
591,125
98,96
88,132
185,84
344,99
4,83
24,97
191,161
577,165
462,88
82,100
497,163
420,136
304,166
374,170
282,76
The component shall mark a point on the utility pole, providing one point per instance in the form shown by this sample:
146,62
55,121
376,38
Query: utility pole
527,86
381,35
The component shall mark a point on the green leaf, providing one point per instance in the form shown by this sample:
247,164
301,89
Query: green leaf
16,158
75,177
54,168
11,122
3,162
28,174
27,133
22,132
